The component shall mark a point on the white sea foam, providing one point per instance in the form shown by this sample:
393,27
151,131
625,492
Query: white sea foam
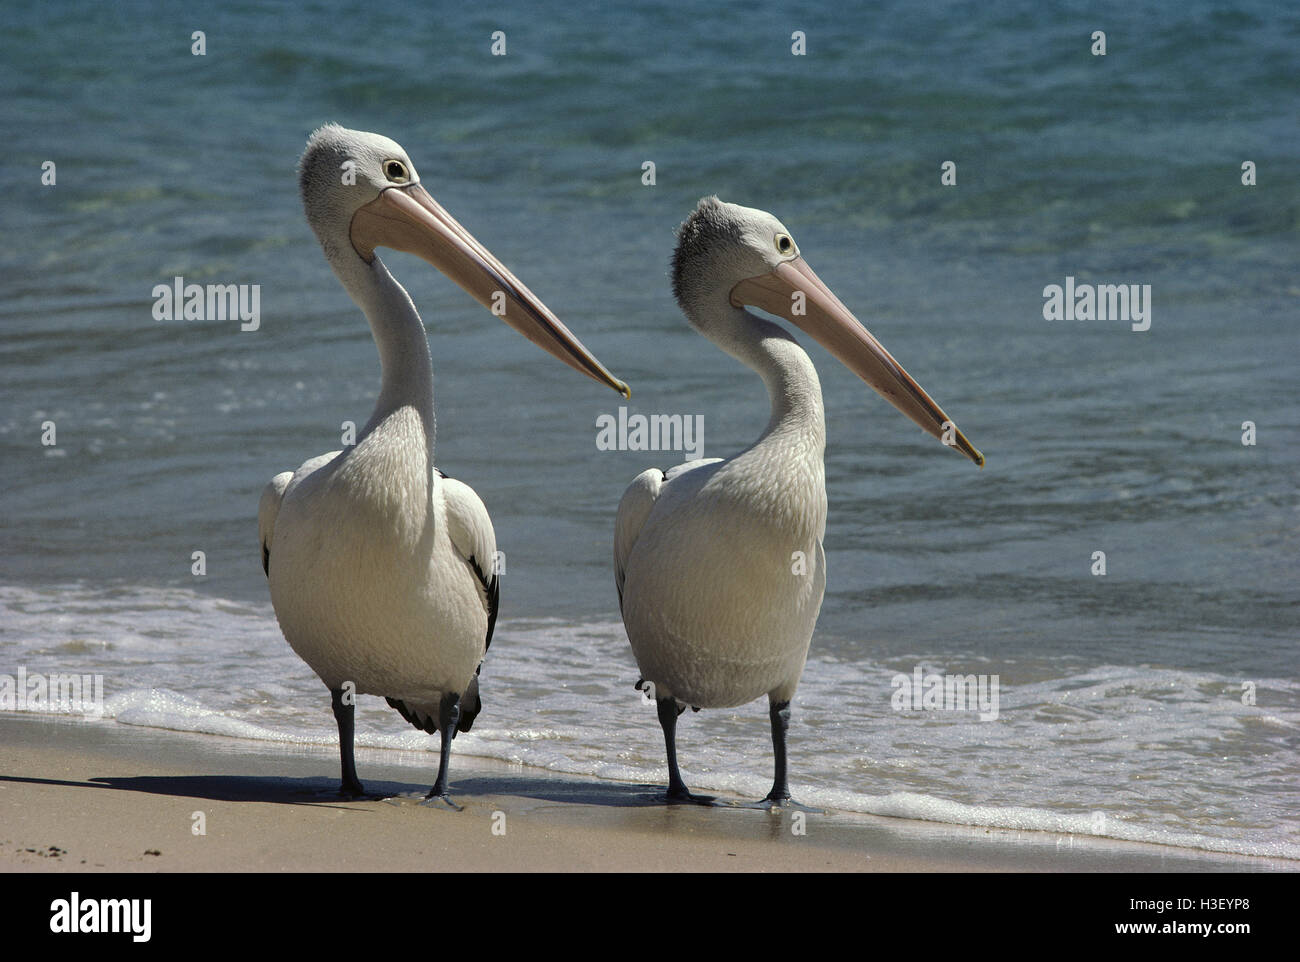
1136,753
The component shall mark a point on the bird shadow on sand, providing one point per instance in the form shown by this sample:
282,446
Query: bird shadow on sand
223,788
323,791
572,790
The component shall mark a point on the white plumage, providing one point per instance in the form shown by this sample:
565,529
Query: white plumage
380,567
719,563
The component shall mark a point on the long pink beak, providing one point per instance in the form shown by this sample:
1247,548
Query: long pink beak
408,219
825,318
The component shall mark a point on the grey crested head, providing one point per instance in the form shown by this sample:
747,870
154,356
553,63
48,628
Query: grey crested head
721,244
341,171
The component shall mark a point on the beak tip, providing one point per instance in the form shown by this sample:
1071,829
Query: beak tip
968,449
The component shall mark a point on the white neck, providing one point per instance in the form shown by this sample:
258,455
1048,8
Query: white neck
407,368
793,388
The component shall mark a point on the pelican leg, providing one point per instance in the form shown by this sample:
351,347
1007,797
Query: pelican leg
779,797
448,716
343,713
779,713
677,791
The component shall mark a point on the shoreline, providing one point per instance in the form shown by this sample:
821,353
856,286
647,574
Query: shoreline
82,797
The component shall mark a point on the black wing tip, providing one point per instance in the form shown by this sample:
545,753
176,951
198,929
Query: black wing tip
470,704
467,715
428,725
492,589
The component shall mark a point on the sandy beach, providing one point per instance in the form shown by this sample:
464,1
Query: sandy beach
84,797
1080,657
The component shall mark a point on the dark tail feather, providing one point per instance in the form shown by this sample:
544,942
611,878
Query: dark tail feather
426,723
470,706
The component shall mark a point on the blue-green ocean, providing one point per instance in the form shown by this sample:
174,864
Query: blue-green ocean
1159,701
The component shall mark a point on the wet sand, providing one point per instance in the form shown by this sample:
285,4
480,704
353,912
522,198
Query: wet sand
94,797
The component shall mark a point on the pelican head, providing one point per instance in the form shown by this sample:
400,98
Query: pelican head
361,191
738,256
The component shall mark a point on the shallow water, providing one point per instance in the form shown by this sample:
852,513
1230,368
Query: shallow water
1120,694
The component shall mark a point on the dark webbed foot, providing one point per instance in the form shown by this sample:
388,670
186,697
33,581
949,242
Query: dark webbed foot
778,806
680,795
442,802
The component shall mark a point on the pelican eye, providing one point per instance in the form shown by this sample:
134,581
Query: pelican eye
784,244
396,171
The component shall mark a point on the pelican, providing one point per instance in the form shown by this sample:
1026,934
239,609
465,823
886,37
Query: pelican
719,562
381,567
